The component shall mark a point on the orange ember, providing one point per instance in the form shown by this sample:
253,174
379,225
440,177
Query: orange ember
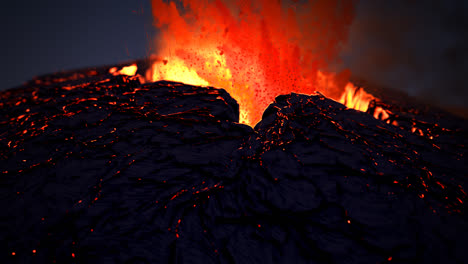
256,50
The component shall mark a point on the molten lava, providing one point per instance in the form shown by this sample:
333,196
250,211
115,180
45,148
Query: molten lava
127,70
357,98
256,50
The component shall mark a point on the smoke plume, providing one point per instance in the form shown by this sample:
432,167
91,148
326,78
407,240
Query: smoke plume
416,46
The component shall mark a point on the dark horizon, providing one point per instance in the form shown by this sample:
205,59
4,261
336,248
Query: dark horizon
41,37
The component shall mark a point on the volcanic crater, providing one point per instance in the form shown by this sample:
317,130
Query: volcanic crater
100,168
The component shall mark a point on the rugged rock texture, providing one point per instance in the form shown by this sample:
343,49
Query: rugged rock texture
98,168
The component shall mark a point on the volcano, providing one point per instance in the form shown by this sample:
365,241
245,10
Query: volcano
98,167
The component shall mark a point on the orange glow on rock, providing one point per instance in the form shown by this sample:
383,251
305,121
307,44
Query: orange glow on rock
255,50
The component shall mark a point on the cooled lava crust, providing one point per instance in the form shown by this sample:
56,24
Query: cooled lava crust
97,168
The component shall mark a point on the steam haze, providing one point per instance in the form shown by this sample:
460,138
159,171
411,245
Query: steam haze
419,47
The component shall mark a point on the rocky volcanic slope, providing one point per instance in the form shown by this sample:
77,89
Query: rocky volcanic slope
98,168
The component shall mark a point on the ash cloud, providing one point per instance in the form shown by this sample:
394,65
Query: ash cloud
419,47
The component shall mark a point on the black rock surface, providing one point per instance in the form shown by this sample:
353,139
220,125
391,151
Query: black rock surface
98,168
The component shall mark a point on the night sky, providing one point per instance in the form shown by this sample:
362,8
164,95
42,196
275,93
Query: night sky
40,37
416,46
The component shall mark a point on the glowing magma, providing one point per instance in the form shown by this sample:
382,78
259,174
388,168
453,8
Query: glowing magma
127,70
256,50
357,98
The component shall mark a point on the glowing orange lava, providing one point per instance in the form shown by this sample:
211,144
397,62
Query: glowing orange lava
255,50
127,70
357,98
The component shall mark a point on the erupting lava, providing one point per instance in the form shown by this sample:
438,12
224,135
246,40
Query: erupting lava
256,50
128,70
357,98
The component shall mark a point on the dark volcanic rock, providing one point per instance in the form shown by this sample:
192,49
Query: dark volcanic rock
364,188
99,168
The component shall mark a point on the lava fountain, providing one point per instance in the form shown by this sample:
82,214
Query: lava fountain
256,50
